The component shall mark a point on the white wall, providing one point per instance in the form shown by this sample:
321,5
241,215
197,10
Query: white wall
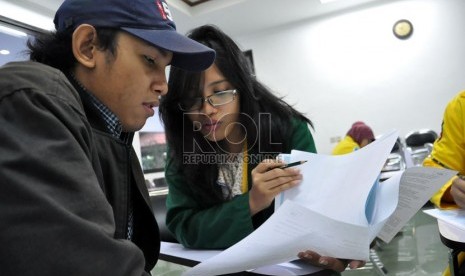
349,67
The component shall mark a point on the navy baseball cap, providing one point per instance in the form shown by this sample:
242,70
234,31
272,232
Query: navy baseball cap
149,20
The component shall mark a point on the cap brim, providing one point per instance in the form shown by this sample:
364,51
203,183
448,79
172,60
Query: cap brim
187,53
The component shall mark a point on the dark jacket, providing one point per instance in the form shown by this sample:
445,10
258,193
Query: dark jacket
65,183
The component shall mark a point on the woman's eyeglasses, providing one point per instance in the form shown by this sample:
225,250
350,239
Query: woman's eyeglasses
217,99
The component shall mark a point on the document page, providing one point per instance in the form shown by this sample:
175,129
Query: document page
326,213
454,217
338,186
292,229
417,185
297,267
451,223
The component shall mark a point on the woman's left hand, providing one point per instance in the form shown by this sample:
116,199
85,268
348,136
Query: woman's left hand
335,264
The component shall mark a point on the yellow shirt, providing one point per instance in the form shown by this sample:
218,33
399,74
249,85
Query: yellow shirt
346,145
449,148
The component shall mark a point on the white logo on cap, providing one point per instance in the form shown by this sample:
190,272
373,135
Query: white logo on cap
164,11
167,11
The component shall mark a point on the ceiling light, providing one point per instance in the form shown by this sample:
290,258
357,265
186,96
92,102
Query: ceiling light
11,31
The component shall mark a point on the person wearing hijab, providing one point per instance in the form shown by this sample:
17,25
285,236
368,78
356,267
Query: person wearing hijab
358,136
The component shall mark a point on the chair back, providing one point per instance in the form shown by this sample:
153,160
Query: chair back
420,137
419,144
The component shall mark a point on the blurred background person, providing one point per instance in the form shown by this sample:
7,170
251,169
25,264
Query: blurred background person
358,136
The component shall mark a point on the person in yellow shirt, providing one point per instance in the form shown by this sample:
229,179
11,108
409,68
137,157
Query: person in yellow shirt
449,152
358,136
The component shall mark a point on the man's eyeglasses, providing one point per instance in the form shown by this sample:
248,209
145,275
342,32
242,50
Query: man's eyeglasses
217,99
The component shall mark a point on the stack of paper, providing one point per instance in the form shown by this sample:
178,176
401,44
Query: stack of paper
451,223
337,210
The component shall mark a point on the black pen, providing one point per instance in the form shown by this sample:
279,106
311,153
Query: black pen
290,165
293,164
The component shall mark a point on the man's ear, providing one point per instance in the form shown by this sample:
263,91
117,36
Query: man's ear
84,45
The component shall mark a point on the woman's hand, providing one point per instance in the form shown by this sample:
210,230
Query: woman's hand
457,191
268,180
338,265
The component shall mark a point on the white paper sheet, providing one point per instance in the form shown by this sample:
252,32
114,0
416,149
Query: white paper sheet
338,186
293,268
290,230
326,213
451,223
417,185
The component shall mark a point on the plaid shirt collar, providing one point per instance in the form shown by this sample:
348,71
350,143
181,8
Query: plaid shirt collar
112,122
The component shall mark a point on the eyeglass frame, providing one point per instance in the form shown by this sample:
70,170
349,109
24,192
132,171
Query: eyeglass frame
203,100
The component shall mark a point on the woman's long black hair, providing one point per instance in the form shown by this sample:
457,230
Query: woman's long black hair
256,101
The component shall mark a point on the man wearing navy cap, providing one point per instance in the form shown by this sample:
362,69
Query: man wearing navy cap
73,199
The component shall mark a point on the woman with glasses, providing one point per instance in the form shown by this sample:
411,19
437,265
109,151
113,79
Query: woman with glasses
224,130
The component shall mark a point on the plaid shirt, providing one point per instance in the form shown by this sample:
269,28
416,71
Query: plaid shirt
112,122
